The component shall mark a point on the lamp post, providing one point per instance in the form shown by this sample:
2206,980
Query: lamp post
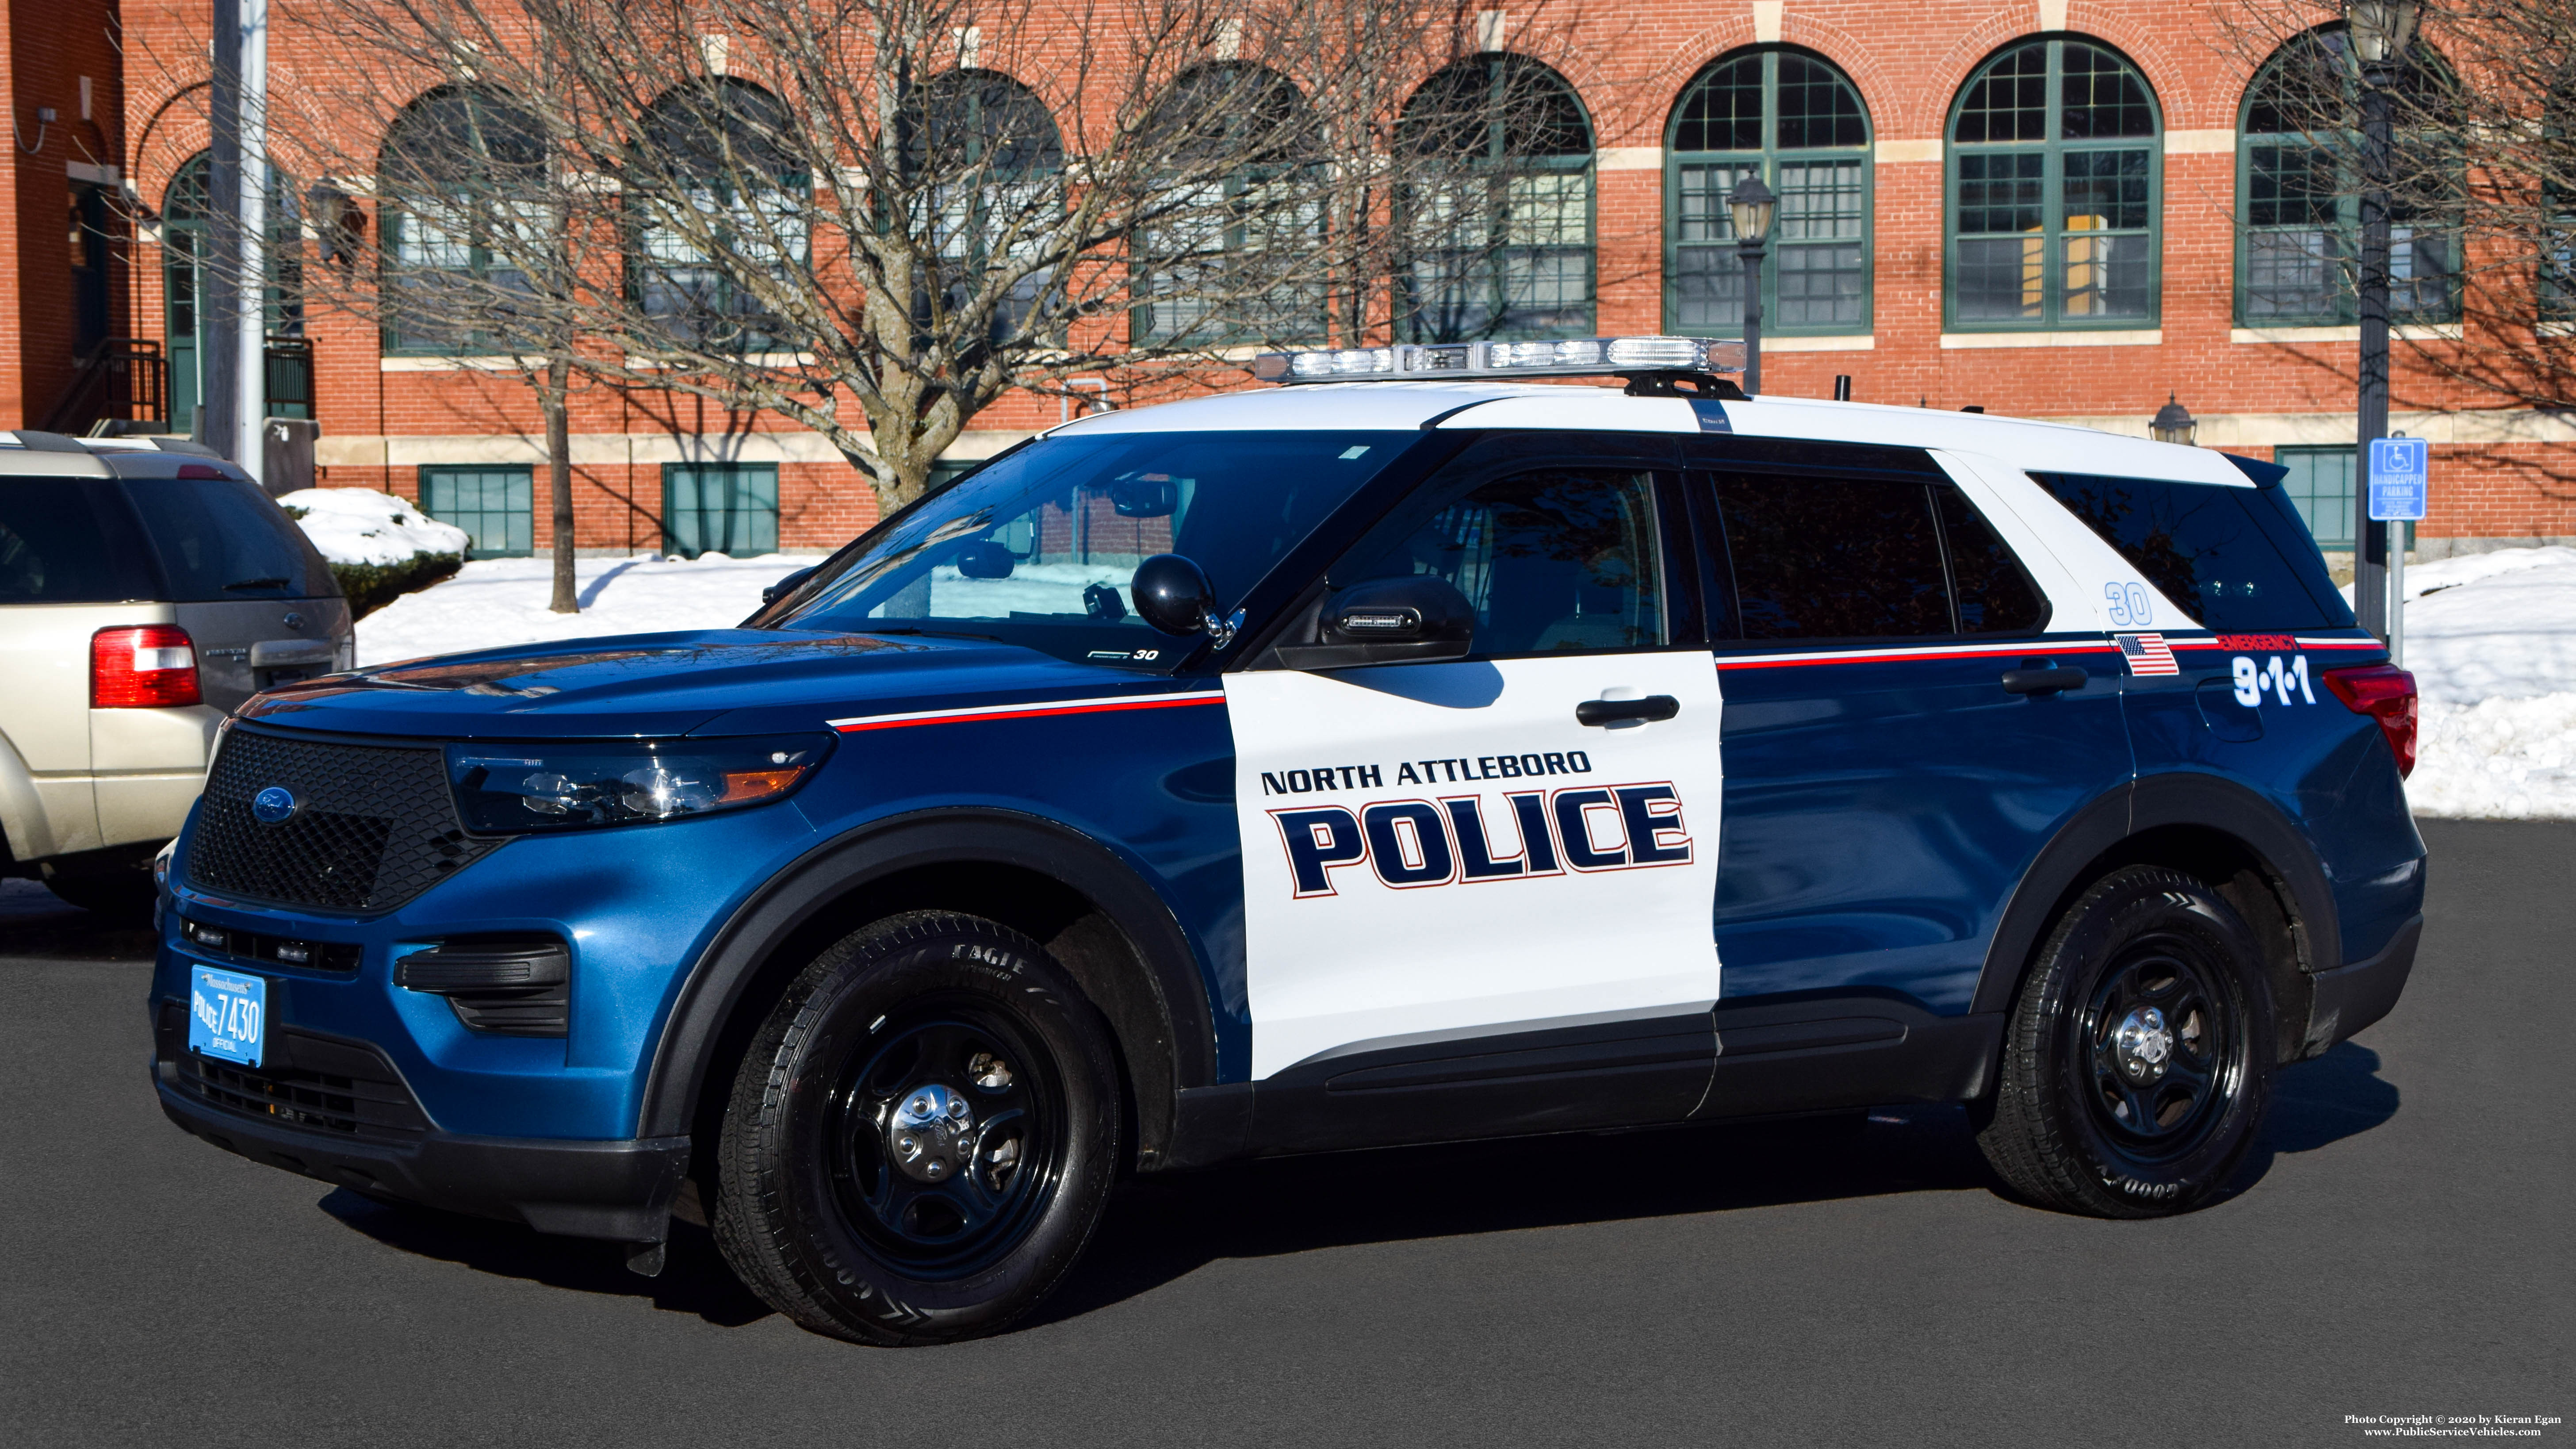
2379,32
1751,206
2173,423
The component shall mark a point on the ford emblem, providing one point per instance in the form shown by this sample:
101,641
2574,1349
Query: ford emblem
293,620
275,805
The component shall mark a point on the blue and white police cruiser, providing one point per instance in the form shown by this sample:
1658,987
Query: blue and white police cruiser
1415,756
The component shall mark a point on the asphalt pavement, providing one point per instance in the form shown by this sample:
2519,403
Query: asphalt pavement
2400,1245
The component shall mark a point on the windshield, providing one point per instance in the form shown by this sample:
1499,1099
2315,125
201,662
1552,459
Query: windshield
1037,548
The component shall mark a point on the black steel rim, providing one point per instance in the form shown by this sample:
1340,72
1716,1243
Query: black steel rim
1015,1148
2160,991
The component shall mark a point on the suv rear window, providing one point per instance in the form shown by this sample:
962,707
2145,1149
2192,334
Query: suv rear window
2212,548
67,541
222,539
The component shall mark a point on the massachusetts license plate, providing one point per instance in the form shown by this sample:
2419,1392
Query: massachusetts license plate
227,1015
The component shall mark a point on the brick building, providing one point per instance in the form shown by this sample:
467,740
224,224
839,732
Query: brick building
2062,209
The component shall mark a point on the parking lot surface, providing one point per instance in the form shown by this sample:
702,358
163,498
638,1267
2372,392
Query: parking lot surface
2401,1246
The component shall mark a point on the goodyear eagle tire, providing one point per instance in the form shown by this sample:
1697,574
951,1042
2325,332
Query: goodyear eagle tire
2138,1058
922,1136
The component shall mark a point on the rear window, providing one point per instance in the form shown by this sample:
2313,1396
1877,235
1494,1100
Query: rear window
2210,547
65,541
1864,558
223,539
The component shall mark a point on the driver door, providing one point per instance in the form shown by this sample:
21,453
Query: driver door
1482,888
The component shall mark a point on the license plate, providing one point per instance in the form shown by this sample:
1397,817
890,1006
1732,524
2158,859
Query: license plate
227,1015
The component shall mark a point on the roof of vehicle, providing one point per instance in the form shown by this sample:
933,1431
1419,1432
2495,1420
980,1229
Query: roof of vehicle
1390,406
27,453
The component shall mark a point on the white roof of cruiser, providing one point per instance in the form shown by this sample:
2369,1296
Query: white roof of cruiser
1385,406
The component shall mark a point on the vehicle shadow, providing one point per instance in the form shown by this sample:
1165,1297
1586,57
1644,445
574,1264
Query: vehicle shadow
34,922
1163,1228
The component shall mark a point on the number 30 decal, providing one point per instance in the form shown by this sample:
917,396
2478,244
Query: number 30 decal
2127,603
2252,681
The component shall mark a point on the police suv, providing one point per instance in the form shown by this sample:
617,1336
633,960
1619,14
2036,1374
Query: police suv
1417,755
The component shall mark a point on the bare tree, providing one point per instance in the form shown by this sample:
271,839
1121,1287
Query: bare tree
873,218
2481,181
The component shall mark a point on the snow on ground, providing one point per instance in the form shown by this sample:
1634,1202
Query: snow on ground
2491,638
358,526
501,601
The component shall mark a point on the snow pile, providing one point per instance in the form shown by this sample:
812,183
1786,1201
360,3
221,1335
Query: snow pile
357,526
2491,638
493,603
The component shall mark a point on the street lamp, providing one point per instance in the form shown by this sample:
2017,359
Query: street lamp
2379,32
1751,206
2173,423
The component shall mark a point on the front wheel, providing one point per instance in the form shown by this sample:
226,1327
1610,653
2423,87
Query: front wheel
2138,1060
922,1136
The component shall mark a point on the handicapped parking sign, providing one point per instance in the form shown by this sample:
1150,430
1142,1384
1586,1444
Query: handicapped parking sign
2399,469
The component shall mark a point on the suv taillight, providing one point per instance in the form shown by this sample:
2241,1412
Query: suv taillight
2386,693
149,666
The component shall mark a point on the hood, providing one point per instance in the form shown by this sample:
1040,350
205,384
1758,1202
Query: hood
712,682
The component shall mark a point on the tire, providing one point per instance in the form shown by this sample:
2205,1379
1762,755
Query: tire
922,1137
2137,1061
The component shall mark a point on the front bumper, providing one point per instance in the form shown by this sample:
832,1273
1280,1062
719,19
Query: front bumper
337,1111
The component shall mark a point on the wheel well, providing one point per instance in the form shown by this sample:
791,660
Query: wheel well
2246,881
1073,928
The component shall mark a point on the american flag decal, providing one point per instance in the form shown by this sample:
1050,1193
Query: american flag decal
2147,654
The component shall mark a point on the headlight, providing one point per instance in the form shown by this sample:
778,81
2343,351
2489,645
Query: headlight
511,790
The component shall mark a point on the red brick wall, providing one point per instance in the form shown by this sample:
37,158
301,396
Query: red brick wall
48,47
1907,61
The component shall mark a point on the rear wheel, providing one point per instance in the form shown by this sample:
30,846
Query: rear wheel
2138,1059
922,1136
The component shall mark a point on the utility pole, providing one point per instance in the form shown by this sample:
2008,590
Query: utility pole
2379,32
219,294
250,377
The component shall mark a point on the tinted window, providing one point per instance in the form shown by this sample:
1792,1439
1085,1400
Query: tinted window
1995,596
2202,544
1555,561
63,541
1038,547
224,539
1832,558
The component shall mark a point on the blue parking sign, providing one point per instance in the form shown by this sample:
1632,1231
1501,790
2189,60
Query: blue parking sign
2400,471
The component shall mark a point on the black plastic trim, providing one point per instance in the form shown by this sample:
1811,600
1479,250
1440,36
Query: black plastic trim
2350,998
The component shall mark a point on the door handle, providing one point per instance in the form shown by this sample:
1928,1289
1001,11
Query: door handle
2044,681
1611,711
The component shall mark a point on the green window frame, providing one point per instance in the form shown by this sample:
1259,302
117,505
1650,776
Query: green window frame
497,505
186,245
727,508
2298,194
1225,238
986,159
2054,193
2320,483
1798,119
1501,246
695,292
448,171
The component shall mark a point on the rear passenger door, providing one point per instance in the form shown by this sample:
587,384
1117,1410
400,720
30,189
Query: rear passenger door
1885,791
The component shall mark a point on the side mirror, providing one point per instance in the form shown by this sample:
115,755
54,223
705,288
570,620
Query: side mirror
1413,620
1173,594
784,587
985,560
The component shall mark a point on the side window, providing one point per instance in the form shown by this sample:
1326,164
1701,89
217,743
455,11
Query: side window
1995,595
1554,560
2201,544
1832,558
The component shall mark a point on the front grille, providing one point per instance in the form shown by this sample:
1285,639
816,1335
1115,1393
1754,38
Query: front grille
312,1081
375,826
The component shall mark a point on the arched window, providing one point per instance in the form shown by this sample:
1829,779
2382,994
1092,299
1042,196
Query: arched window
1797,120
985,158
1495,203
186,215
1214,266
2055,180
2299,184
2558,204
466,220
719,199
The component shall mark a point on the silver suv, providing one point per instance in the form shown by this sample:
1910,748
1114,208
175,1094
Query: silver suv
144,595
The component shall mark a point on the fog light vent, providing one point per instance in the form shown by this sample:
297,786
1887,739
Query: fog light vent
505,985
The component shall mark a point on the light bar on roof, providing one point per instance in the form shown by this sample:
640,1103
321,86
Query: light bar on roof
1577,357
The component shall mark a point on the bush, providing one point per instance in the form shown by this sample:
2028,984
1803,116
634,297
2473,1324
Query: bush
372,586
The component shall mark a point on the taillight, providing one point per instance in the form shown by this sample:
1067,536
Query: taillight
150,666
2386,693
